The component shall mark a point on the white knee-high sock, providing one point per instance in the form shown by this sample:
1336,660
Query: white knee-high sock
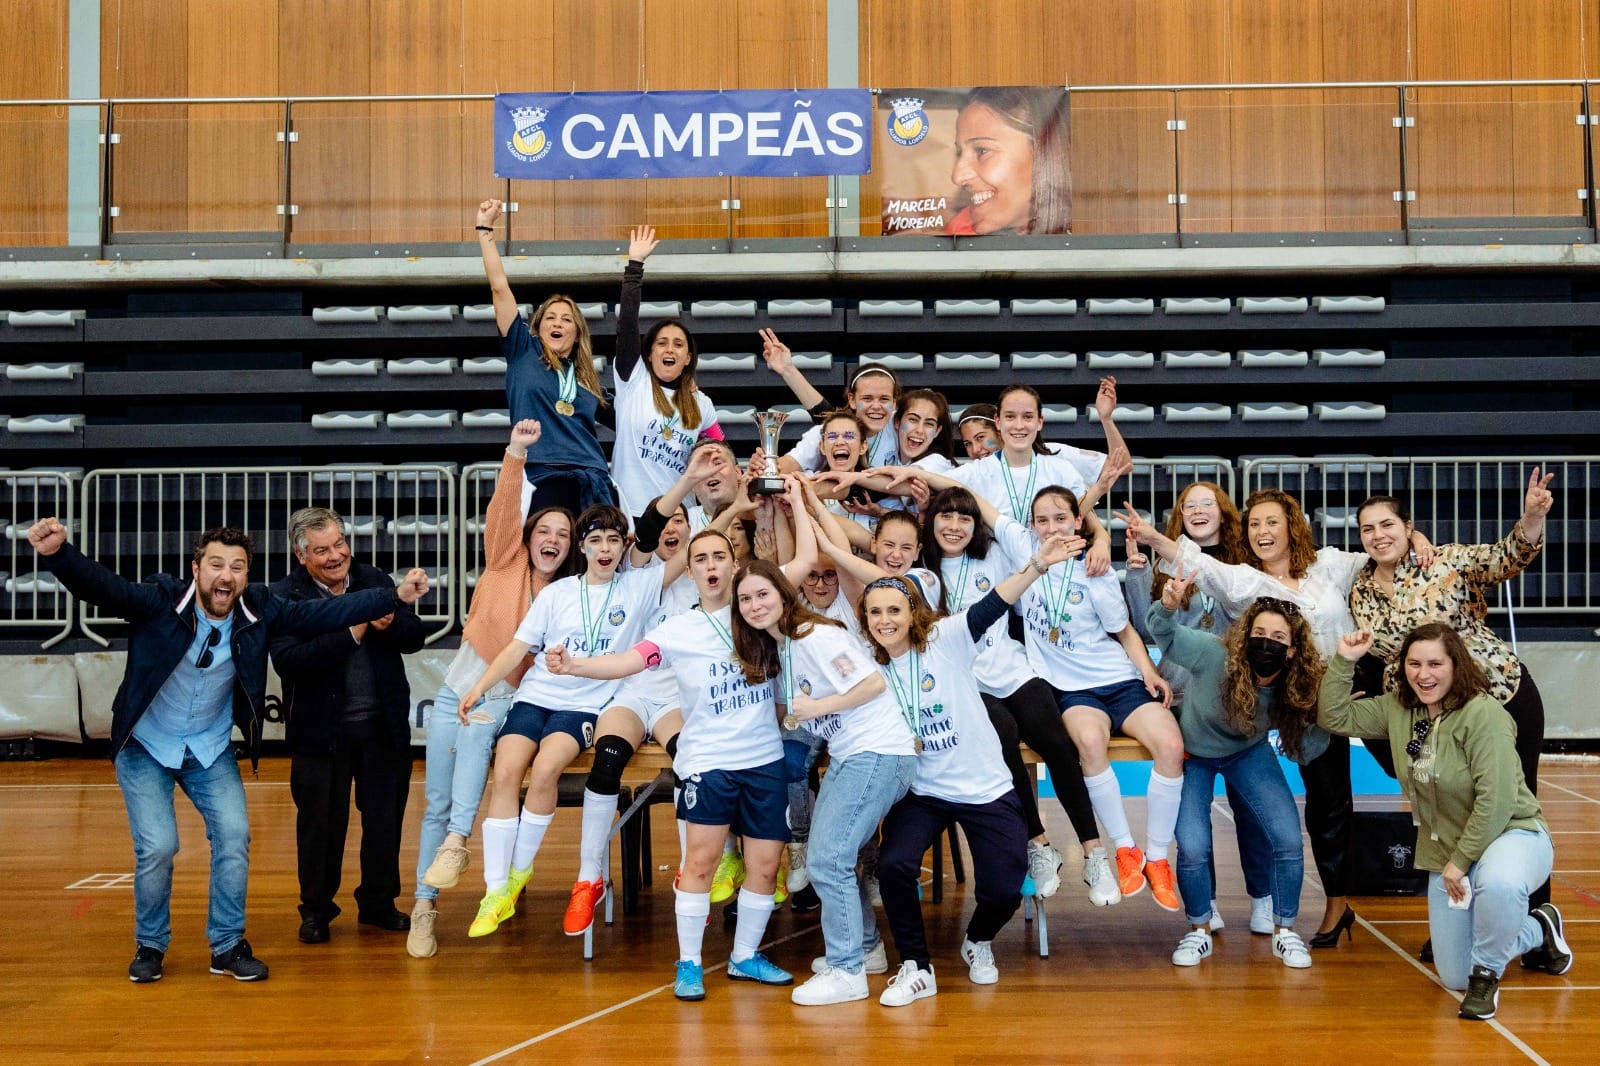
1105,795
692,909
754,910
530,834
1161,814
499,835
598,813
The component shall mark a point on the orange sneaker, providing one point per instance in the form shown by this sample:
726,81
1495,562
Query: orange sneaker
1162,886
1130,870
580,909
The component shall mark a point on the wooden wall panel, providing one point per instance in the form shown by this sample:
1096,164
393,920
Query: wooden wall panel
324,51
33,141
673,29
598,47
1276,172
144,51
1462,149
235,163
781,44
507,46
1186,41
416,147
1547,146
1363,40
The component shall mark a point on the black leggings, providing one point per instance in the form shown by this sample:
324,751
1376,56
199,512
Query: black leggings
1030,715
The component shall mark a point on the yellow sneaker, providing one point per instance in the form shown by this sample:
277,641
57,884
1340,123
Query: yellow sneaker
780,889
518,880
495,908
729,876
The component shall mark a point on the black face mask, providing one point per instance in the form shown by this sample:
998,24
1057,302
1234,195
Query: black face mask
1265,655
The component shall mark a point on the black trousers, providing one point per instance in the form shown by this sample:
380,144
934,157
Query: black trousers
998,840
320,784
1031,715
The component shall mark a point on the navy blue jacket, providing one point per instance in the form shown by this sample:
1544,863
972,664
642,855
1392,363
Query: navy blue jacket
312,667
161,611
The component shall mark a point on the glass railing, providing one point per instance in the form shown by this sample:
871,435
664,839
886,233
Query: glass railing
1150,165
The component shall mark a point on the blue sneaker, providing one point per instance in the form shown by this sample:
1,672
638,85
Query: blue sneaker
1028,887
759,968
690,982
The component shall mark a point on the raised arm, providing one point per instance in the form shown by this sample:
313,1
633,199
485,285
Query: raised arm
641,242
1337,712
1118,464
502,523
704,464
505,304
1488,564
1189,648
805,557
781,362
87,579
1105,405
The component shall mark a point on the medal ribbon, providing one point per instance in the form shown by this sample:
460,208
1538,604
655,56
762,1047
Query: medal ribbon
1020,507
567,377
958,591
1055,600
591,629
910,706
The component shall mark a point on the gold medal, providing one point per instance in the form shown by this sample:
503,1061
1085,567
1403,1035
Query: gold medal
916,745
564,408
791,723
1055,634
1206,621
666,432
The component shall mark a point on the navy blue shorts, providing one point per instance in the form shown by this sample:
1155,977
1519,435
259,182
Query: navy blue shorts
537,723
1117,701
753,803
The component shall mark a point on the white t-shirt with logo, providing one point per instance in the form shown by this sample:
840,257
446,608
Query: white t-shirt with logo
1002,665
1011,489
960,760
1085,612
618,612
828,661
883,448
727,723
840,611
645,462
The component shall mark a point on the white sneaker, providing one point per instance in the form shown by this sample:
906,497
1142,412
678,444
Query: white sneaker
1101,879
798,877
908,985
875,894
1216,923
1261,915
979,957
877,961
831,986
1044,866
1195,945
1287,945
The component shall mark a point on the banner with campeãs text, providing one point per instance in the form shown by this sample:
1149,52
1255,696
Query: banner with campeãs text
755,133
968,162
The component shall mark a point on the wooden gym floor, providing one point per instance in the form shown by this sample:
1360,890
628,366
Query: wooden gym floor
1107,993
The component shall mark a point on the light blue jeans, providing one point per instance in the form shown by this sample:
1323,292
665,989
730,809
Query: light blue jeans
456,768
218,794
856,794
1496,927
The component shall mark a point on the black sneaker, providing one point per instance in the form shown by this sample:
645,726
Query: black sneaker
146,965
806,900
240,962
1483,995
1555,955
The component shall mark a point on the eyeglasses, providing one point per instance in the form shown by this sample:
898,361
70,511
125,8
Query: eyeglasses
829,577
1191,506
849,436
212,640
1419,733
1277,606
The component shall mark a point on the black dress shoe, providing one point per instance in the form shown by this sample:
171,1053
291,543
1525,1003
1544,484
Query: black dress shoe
314,931
395,921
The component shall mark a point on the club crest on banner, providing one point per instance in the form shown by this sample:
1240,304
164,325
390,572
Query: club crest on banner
529,142
908,122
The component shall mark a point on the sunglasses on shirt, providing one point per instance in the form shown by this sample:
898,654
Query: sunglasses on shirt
212,640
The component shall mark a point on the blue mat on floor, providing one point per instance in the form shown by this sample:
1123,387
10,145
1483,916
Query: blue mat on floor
1366,776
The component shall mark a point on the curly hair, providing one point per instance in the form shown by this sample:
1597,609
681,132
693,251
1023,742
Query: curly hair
1230,534
1302,542
1469,680
757,651
1294,692
582,348
923,617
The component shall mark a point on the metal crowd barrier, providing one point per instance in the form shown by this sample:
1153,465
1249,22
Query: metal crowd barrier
477,488
32,598
1154,484
1461,500
143,521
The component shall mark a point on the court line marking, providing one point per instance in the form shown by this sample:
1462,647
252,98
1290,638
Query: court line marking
1494,1023
1572,792
1552,988
1424,921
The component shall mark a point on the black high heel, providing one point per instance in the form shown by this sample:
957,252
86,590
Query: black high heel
1331,937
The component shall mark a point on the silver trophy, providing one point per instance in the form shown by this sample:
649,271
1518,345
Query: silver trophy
768,482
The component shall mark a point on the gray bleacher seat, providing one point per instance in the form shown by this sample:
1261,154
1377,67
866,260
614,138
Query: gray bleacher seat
727,361
485,312
333,316
486,418
890,309
1273,412
42,371
812,308
422,366
1341,305
345,368
1272,305
1125,412
1271,357
1350,411
43,319
813,360
1361,463
417,526
965,308
1036,360
1349,357
1121,306
966,360
1058,413
893,360
1195,412
346,420
1121,360
1336,517
423,313
44,423
477,524
473,575
1196,305
723,309
796,413
430,419
736,415
361,527
1195,359
483,364
35,583
599,364
1039,307
660,309
593,312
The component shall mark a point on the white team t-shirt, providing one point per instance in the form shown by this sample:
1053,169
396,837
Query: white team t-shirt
960,760
829,661
728,724
1011,489
934,463
651,451
1002,664
618,612
883,448
841,611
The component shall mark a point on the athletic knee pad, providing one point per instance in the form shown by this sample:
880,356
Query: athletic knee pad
672,746
611,755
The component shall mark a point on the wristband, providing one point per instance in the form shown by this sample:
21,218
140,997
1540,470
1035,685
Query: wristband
484,229
1033,561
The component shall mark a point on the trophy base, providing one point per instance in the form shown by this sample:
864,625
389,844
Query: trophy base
766,485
